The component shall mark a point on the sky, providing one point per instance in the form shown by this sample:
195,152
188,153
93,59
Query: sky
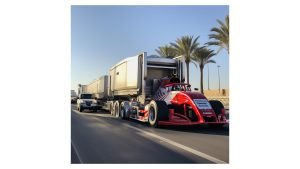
101,36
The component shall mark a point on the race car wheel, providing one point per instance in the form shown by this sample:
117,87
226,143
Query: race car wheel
158,111
217,106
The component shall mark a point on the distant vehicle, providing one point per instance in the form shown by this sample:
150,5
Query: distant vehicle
73,96
85,101
98,88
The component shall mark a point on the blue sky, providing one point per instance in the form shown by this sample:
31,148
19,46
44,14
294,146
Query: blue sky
103,35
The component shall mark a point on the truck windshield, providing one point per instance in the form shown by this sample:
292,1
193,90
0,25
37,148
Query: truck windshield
179,87
86,96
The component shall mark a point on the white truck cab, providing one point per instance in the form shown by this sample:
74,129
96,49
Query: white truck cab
85,101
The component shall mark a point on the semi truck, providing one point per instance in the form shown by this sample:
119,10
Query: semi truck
152,89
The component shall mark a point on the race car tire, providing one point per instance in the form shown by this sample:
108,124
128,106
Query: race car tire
217,106
158,111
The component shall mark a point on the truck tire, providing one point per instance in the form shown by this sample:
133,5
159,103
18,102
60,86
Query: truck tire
217,106
124,110
117,109
158,111
122,113
111,109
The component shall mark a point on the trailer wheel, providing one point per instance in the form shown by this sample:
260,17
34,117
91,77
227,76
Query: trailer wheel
117,109
158,111
217,106
111,109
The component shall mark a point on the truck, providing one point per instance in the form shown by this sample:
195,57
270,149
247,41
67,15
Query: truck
85,101
86,97
82,89
99,89
152,89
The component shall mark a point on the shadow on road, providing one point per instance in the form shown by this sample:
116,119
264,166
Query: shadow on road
203,129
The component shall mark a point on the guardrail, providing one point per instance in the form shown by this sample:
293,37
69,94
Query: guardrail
223,99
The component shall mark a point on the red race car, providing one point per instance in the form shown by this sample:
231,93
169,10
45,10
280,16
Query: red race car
176,104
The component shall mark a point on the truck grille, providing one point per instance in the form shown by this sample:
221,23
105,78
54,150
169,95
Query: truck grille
88,103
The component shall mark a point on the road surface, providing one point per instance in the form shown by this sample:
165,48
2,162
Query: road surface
103,139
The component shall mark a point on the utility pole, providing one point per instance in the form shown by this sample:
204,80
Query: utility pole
219,78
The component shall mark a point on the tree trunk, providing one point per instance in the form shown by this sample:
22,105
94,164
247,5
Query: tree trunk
188,72
201,79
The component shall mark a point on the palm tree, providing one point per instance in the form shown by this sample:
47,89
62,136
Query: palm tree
186,46
220,35
203,56
166,51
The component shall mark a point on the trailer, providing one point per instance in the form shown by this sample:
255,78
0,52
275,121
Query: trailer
152,89
82,89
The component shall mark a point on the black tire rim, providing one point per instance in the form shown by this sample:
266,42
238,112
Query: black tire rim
152,114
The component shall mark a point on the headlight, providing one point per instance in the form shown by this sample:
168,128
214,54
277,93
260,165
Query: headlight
95,101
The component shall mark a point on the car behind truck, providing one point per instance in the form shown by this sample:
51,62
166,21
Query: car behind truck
85,101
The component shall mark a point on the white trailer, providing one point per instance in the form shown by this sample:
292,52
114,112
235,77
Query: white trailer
82,89
99,88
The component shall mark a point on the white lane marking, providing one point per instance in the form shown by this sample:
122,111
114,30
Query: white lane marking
188,149
76,152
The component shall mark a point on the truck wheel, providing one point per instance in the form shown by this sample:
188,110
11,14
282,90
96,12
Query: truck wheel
217,106
111,109
95,110
158,111
122,112
117,109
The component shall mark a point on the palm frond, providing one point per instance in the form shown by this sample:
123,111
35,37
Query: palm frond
220,35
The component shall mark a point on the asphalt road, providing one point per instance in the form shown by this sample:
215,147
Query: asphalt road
101,138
